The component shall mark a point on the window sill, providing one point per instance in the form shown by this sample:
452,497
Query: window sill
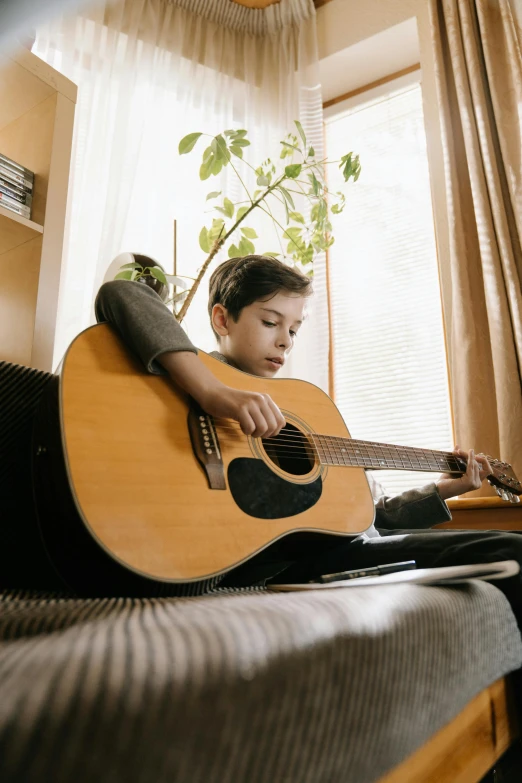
483,514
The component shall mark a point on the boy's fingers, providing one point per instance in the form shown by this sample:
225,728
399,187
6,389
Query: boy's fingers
280,420
259,420
246,423
484,465
271,427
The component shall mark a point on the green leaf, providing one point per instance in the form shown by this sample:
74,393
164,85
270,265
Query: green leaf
294,232
297,217
219,146
217,165
233,251
222,210
315,183
308,256
351,166
229,208
187,143
270,253
311,152
216,230
205,170
214,194
286,195
159,274
246,247
263,181
241,212
293,170
133,265
287,212
292,146
236,133
204,240
301,131
249,232
337,209
241,143
237,151
125,275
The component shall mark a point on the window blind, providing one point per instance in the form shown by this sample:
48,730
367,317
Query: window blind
390,367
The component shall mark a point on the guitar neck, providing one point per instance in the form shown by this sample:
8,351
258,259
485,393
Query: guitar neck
384,456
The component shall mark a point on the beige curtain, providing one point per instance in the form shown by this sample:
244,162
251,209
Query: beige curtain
477,47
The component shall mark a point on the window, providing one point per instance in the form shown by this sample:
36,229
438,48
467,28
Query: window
390,373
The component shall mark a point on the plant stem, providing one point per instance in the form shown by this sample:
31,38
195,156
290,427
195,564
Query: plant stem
219,244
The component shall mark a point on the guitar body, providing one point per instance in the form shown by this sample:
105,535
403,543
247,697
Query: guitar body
126,501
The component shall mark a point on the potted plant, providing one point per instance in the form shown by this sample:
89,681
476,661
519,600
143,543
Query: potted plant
297,175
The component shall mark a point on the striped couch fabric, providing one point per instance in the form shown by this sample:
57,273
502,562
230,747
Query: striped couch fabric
247,687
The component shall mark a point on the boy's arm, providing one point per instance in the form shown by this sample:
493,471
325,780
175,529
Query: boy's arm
150,330
413,509
425,507
142,321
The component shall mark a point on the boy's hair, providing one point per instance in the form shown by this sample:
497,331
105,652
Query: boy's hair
239,282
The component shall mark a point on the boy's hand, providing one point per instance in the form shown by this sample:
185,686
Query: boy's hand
257,413
477,470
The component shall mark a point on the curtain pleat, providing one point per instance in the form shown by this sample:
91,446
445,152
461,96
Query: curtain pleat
477,49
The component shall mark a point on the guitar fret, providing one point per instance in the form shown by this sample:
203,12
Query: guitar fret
335,450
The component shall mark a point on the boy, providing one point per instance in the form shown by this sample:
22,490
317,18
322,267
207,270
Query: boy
256,307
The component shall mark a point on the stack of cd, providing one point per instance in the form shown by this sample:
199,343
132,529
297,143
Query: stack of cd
16,187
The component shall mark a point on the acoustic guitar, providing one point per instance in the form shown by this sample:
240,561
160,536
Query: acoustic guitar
140,492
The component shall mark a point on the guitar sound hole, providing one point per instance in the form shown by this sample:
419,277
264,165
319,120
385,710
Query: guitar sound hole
290,451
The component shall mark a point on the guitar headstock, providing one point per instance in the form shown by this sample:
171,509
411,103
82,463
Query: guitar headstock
504,480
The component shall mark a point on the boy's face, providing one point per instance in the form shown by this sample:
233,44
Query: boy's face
263,336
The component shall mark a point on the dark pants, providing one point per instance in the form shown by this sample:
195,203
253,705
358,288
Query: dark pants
301,558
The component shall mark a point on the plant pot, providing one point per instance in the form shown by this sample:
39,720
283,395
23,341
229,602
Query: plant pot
160,288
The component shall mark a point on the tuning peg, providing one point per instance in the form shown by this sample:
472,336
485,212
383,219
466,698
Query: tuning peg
498,491
515,499
505,494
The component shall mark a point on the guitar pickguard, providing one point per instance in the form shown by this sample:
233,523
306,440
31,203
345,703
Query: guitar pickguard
261,494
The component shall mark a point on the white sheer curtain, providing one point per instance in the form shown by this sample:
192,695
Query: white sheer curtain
149,72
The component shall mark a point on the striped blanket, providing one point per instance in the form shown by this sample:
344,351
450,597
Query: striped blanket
246,687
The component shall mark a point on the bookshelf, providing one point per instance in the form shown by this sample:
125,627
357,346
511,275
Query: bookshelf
36,128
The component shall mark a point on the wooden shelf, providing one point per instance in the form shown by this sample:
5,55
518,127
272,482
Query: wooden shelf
36,127
16,230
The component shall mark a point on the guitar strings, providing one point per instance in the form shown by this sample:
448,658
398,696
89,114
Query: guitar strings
298,435
298,439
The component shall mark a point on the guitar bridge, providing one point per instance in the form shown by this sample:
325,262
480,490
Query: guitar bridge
205,445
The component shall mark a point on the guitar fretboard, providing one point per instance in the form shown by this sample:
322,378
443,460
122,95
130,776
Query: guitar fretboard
366,454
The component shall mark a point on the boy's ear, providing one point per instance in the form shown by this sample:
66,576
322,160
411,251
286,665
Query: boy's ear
220,319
